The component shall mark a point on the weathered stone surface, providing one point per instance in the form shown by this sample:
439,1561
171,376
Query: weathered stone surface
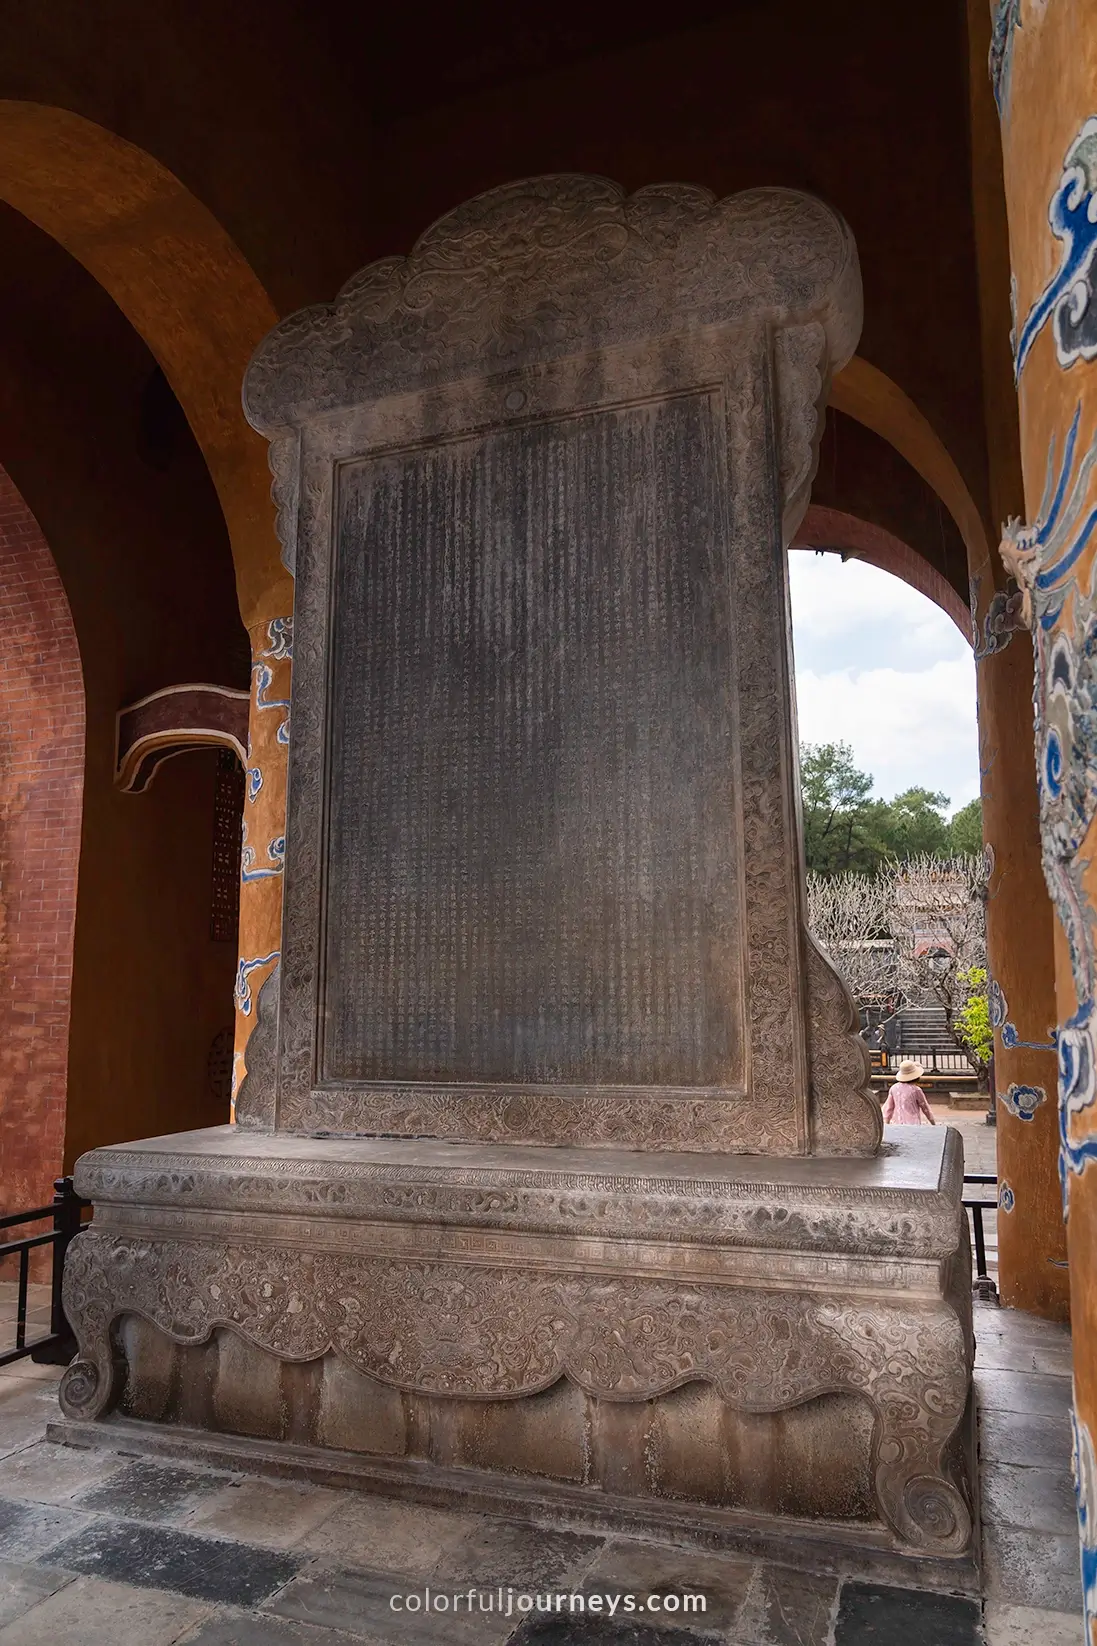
548,585
557,1135
143,1490
104,1614
536,1292
33,1474
643,1569
360,1605
1038,1569
1036,1395
1040,1499
22,1587
526,1557
1025,1437
869,1614
1029,1626
29,1530
161,1557
275,1514
785,1607
399,1538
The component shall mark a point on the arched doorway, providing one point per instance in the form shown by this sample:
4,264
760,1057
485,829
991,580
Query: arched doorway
189,294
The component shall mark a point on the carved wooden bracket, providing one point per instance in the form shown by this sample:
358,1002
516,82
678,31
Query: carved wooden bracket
170,722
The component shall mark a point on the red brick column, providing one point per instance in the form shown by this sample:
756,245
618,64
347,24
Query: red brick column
41,787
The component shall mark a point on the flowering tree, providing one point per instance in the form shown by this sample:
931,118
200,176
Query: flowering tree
916,931
938,918
849,917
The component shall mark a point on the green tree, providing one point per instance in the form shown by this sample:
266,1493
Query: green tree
966,830
914,825
846,831
838,811
971,1023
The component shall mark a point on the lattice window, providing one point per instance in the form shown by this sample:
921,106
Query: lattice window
228,812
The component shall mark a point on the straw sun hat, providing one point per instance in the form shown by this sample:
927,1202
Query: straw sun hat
909,1070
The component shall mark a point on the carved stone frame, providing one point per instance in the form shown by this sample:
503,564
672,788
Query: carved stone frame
519,294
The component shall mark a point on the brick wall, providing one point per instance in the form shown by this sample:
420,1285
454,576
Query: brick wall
41,784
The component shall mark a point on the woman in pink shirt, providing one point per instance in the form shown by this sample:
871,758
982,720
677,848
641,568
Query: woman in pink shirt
906,1102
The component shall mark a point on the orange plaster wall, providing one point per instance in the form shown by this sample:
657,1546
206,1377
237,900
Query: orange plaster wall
140,545
1047,95
320,139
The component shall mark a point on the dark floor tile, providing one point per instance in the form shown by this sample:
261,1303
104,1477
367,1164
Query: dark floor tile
1032,1568
872,1616
1020,1437
1040,1499
28,1530
1028,1392
161,1557
604,1631
22,1587
381,1608
786,1608
521,1557
145,1490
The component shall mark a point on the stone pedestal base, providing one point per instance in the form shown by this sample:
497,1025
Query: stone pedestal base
776,1337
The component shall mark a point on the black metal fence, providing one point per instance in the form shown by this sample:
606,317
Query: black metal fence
938,1063
981,1283
58,1345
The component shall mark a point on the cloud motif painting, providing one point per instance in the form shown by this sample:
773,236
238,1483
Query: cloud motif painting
1022,1101
1069,299
1046,558
245,968
280,636
264,680
276,859
1007,18
1084,1467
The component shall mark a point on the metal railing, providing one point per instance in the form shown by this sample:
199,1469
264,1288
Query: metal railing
58,1346
935,1060
981,1285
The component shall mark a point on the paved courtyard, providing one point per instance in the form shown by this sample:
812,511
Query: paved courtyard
104,1549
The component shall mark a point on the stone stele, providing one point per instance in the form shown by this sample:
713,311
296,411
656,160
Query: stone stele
557,1179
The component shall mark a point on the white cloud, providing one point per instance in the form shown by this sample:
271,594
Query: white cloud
879,667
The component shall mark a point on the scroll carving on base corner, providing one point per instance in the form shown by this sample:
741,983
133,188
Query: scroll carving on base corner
255,1100
846,1116
449,1330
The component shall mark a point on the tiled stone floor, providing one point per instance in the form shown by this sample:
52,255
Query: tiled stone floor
38,1307
102,1549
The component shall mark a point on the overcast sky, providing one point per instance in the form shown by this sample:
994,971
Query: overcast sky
882,668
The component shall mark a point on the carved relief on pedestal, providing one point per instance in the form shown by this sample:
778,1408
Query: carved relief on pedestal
543,880
447,1329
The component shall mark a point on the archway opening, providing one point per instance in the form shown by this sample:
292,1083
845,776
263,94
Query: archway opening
890,786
